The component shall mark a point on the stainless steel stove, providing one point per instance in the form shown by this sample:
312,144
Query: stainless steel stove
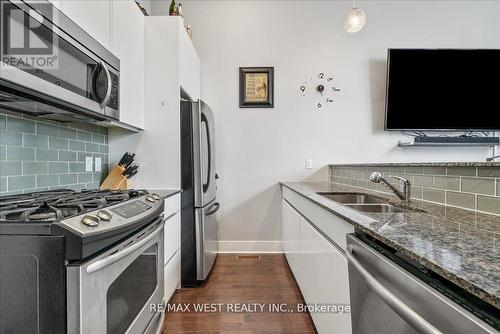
70,259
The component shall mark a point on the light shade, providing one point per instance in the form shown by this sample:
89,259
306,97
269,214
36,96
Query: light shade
355,20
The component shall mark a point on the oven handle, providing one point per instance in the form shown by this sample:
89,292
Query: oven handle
99,264
396,304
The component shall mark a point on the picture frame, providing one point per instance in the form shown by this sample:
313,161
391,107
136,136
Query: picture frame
256,87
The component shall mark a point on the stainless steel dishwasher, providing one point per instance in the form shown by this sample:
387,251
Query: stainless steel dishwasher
388,297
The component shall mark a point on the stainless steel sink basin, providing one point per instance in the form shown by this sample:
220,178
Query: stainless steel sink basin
354,198
377,208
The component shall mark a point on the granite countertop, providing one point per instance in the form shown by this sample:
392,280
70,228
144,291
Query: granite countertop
420,164
459,245
165,193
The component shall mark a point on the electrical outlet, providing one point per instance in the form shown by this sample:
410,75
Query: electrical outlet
88,164
309,164
97,162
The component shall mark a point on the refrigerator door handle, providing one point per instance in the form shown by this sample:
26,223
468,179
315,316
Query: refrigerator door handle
396,304
213,209
204,121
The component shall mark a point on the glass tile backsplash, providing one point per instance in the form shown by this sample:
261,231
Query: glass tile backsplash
473,188
40,155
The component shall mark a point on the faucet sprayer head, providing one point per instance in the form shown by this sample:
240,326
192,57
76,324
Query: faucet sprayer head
376,177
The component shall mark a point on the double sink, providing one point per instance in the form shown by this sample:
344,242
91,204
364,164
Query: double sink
363,202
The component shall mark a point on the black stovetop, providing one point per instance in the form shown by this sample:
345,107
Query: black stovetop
55,205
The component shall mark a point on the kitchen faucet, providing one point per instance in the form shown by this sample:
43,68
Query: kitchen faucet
492,158
404,194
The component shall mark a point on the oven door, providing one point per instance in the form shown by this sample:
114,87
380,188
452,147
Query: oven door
113,292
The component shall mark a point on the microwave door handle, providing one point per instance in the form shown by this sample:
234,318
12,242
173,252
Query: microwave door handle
105,100
396,304
102,263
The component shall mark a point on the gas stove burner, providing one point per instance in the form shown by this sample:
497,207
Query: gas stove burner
44,212
55,205
30,199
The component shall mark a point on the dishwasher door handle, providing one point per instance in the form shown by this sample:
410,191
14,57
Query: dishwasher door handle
396,304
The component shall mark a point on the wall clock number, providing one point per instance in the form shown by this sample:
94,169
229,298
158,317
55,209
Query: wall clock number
321,88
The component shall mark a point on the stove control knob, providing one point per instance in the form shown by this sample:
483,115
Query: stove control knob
91,221
156,196
150,198
105,215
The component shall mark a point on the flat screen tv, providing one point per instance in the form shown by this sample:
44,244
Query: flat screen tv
443,89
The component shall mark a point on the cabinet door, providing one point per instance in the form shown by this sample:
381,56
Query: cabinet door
56,3
330,224
172,274
189,65
290,236
128,46
325,280
172,205
172,236
94,16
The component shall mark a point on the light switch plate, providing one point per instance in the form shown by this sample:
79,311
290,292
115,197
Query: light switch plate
88,164
309,164
97,162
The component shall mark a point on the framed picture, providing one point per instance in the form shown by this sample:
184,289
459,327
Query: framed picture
256,87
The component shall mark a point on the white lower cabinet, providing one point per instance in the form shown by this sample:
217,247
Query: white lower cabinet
172,273
291,233
172,236
172,270
318,264
324,280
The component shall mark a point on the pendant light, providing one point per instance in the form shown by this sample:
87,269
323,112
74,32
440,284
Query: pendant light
355,20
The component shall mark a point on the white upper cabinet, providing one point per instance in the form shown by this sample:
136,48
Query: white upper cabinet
189,64
56,3
94,16
128,46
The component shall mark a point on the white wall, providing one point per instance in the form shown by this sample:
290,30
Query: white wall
258,148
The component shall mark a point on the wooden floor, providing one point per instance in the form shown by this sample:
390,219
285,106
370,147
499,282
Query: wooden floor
267,280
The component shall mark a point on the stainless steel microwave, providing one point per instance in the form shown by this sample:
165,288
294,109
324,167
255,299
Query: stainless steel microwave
51,68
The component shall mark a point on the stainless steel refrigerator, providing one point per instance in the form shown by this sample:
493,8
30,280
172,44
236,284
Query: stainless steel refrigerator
199,193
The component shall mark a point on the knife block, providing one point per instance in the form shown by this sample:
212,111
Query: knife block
115,179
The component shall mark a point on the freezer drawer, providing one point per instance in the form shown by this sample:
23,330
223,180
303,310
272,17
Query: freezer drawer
206,239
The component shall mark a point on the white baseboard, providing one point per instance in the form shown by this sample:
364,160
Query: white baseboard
249,246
